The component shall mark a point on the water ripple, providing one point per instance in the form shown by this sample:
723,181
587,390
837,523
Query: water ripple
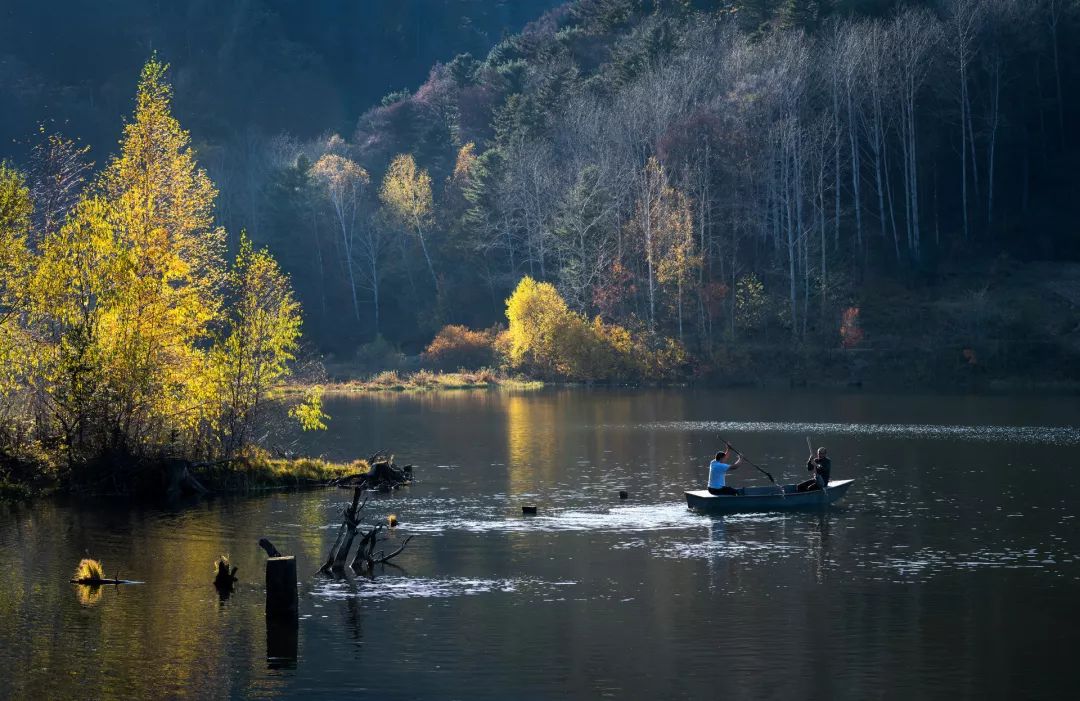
621,519
399,587
1047,435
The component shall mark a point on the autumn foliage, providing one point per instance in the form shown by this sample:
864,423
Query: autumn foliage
548,339
125,333
851,333
460,348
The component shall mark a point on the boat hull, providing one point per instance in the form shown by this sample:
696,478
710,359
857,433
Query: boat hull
757,499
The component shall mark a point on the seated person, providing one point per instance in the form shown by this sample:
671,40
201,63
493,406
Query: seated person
821,466
718,469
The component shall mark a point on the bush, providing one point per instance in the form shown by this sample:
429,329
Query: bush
423,378
379,355
387,378
460,348
550,340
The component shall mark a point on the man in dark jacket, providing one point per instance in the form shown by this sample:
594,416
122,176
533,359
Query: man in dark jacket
821,466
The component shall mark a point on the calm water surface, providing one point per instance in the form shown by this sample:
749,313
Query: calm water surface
952,571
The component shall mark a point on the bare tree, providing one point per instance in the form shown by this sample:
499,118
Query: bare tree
915,35
963,20
343,182
58,171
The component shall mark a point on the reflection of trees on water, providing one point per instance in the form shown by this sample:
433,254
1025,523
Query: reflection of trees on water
534,442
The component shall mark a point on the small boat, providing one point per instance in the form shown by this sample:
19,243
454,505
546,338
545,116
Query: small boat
766,499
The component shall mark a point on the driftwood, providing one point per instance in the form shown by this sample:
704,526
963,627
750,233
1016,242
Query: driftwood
365,551
225,576
382,476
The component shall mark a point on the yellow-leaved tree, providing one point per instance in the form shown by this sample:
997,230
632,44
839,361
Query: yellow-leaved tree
548,339
153,335
15,211
678,260
406,191
539,322
134,339
263,328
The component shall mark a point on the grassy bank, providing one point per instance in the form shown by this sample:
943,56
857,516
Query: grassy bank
423,381
262,472
257,472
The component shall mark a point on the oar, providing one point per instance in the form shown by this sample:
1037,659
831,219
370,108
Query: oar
758,467
811,449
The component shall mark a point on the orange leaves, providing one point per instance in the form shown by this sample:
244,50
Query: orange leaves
459,347
851,334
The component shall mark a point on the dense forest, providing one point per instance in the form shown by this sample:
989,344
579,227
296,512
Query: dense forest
734,176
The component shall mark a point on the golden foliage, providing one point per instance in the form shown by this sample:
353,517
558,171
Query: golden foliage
547,338
309,413
750,302
406,190
129,328
342,178
463,166
88,570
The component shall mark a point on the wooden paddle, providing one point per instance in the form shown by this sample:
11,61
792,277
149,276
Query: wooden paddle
759,469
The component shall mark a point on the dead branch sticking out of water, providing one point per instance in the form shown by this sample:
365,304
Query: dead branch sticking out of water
365,551
382,476
90,572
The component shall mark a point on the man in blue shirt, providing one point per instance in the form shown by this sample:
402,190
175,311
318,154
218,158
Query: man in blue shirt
718,469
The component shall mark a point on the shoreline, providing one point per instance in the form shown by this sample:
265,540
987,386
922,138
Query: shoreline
447,383
238,476
420,381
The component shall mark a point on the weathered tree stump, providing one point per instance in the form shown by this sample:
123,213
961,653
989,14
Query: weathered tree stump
225,577
365,551
282,600
382,475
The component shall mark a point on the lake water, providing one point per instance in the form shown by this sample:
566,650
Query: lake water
952,570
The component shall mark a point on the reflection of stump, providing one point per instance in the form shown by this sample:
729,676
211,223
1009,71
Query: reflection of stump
281,597
281,643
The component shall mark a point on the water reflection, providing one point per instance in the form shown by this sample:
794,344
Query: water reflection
899,592
88,594
282,637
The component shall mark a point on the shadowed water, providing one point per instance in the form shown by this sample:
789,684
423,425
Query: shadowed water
950,571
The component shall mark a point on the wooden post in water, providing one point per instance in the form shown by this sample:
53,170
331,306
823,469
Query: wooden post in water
281,597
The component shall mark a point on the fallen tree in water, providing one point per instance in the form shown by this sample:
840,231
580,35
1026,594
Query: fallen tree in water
366,554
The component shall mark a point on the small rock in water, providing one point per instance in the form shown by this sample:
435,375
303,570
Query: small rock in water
528,510
623,494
